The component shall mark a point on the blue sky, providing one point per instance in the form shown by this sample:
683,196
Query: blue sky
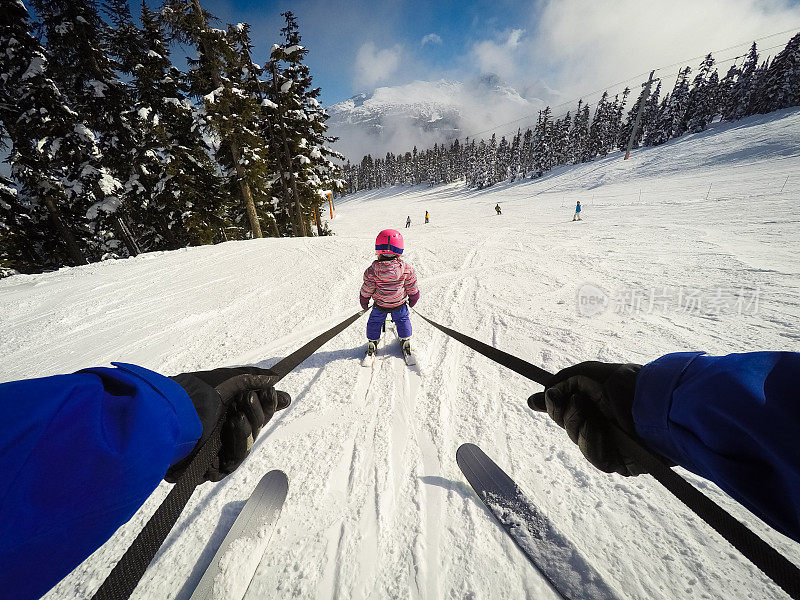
335,31
572,45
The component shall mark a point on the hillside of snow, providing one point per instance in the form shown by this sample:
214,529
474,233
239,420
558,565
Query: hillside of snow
423,113
692,244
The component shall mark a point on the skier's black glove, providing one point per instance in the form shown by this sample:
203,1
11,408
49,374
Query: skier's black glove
585,399
246,396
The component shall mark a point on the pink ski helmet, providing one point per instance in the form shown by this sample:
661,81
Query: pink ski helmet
389,241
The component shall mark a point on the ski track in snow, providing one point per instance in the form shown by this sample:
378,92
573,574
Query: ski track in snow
377,507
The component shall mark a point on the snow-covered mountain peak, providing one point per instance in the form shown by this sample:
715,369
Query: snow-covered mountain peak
422,113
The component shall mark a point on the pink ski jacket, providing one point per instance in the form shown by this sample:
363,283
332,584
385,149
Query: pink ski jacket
389,282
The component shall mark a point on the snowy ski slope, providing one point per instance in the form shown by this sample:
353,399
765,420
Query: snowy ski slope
377,507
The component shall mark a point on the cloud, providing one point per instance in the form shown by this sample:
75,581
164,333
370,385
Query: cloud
588,44
431,38
500,55
373,65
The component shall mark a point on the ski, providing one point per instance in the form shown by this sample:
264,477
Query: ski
570,575
232,569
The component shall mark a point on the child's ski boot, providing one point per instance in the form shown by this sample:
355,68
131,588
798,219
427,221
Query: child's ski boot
372,350
405,344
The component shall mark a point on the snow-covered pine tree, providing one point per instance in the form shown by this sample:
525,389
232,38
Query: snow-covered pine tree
542,145
626,128
282,109
482,175
662,130
304,119
178,198
515,166
739,102
618,106
218,79
12,238
527,153
782,79
561,129
725,94
491,162
472,166
581,135
53,156
456,158
701,103
672,121
124,38
430,157
82,70
503,160
601,127
758,84
649,126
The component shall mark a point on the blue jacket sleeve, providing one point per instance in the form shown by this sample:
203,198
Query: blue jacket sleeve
732,419
79,454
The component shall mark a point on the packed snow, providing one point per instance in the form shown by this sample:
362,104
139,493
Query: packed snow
377,507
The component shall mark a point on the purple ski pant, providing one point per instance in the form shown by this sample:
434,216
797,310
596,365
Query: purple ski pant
377,318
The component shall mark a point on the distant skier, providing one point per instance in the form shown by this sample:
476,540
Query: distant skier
427,216
497,208
408,221
577,216
389,281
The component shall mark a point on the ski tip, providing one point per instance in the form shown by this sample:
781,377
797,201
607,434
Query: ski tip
467,450
277,480
276,475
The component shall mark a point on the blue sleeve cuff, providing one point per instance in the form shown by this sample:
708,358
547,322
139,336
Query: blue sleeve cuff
653,401
189,423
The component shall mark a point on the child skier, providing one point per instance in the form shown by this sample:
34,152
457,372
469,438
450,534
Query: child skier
427,216
389,281
577,216
497,208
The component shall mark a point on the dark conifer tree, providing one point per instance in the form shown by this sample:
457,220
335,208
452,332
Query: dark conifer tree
782,80
542,145
81,67
626,128
649,126
178,195
54,157
579,134
742,91
701,103
725,94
